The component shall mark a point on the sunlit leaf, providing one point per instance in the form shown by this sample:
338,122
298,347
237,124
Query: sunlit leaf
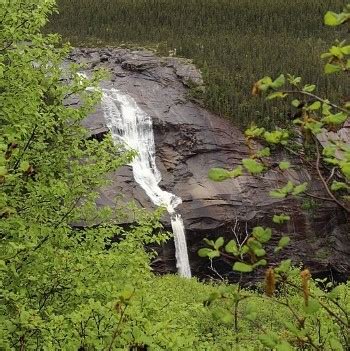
338,118
336,186
283,165
262,234
299,189
219,174
242,267
279,219
252,166
231,247
219,242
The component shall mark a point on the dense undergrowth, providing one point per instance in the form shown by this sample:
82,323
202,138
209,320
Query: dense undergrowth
232,41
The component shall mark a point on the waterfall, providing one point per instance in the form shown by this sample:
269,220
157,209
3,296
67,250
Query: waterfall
133,127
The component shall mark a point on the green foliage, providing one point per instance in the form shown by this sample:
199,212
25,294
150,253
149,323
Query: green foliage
242,267
249,254
288,189
283,165
61,287
335,19
280,218
319,320
252,166
91,287
232,41
277,137
220,174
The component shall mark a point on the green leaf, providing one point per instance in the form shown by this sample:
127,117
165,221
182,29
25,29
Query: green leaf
336,186
231,247
277,194
24,166
279,219
332,161
336,52
288,188
345,168
283,242
238,171
331,19
262,234
265,152
277,136
334,19
264,83
294,80
262,262
284,266
309,88
252,166
242,267
276,95
204,252
278,82
299,189
326,108
219,174
315,106
254,244
330,68
296,103
219,242
213,254
254,131
209,242
345,49
259,252
244,249
329,150
314,126
338,118
283,165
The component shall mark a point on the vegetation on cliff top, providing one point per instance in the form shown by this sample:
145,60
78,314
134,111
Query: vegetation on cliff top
232,41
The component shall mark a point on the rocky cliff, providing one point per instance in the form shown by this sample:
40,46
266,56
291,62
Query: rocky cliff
189,141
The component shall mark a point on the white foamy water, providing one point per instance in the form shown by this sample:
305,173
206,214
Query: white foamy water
133,127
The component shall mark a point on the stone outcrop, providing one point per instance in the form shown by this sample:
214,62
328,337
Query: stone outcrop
189,141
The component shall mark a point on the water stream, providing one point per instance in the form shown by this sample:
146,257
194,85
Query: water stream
133,127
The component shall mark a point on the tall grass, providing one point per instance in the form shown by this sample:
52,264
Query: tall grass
234,42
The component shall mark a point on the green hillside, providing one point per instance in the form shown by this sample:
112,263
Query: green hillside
235,42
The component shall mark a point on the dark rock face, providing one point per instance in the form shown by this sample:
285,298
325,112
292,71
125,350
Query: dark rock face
189,141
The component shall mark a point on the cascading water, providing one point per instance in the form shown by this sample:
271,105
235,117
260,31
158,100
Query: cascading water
129,124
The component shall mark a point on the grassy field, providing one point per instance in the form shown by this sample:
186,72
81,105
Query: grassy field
234,42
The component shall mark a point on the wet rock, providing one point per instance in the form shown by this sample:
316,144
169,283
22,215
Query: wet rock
189,141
